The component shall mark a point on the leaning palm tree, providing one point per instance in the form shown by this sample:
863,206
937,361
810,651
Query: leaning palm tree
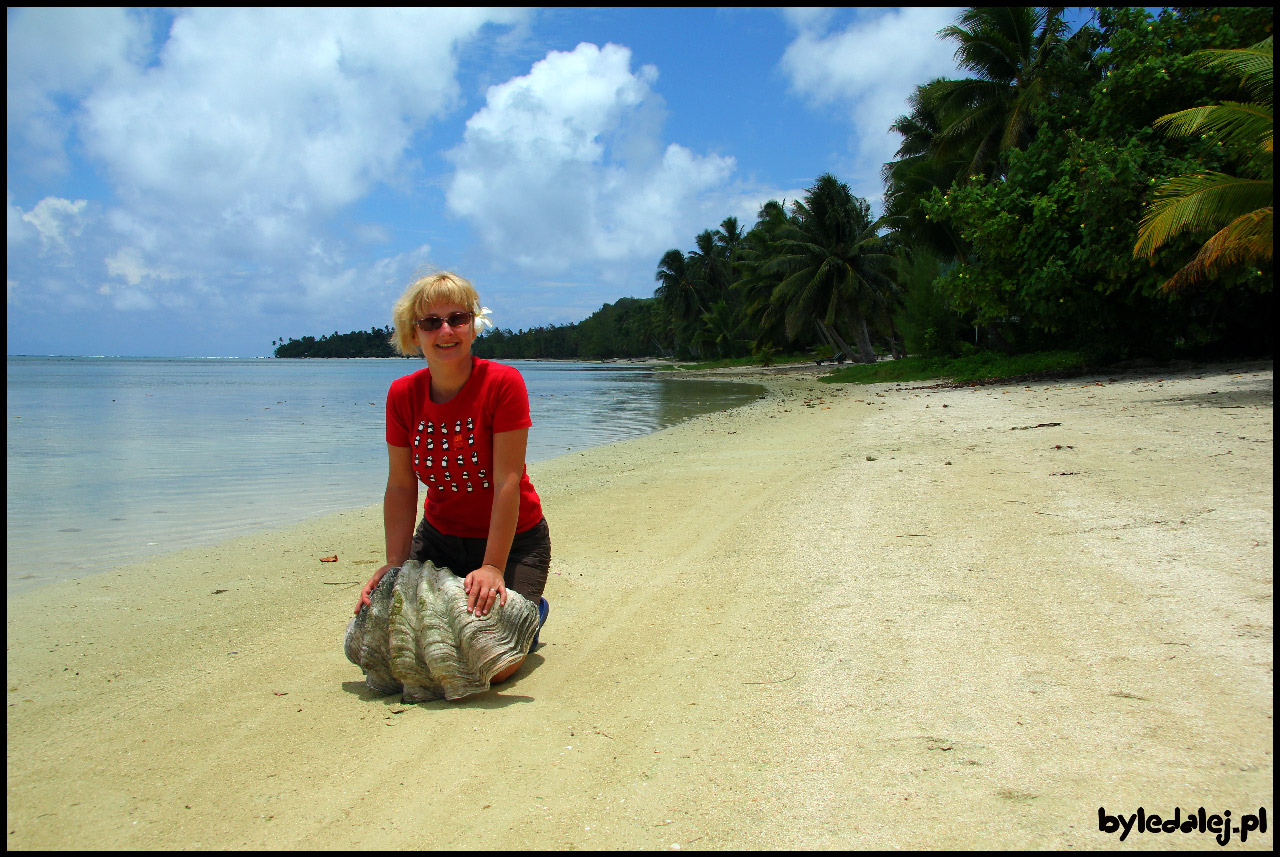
1241,208
834,265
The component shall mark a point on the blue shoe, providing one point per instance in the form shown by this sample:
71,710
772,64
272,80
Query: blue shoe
543,609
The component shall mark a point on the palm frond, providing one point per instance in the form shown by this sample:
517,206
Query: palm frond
1249,239
1018,124
992,42
1198,201
1249,125
1253,63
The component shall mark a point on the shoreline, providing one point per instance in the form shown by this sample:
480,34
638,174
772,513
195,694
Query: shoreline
39,556
838,616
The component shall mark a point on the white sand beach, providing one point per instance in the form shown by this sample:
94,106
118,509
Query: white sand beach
840,617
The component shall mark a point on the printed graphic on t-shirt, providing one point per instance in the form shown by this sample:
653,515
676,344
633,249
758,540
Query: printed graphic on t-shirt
444,456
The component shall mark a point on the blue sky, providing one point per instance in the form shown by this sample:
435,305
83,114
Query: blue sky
201,182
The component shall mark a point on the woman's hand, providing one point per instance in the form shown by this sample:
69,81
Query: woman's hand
485,588
371,585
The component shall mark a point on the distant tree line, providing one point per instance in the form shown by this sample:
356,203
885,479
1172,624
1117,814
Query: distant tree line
374,342
629,327
626,328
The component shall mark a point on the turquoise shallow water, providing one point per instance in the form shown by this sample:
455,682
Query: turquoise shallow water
110,460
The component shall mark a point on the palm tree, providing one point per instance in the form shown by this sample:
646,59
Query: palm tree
720,329
709,263
1240,208
731,238
1011,51
834,267
708,273
678,295
917,171
754,287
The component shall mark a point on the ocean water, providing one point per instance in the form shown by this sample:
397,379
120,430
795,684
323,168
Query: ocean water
111,460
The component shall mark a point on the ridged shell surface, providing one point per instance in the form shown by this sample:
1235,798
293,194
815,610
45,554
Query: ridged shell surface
416,637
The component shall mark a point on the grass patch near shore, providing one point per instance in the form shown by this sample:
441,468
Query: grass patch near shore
983,366
737,362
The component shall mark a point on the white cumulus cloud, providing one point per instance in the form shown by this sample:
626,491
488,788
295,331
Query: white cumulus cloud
56,220
54,54
259,135
127,264
869,68
566,165
226,143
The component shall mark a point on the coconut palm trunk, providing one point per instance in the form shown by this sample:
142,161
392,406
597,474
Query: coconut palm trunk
826,338
831,338
863,335
862,355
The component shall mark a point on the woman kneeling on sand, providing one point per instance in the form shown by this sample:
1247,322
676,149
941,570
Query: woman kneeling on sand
461,426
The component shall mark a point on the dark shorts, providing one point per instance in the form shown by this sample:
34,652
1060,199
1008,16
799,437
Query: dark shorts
527,564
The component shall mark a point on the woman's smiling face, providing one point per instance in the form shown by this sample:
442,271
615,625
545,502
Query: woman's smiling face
446,343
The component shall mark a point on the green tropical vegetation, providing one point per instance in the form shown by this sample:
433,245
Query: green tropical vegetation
1044,243
1093,196
976,367
1243,203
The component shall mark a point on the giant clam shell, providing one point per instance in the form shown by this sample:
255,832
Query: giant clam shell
416,637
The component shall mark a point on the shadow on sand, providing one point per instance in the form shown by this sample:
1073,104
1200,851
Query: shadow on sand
497,696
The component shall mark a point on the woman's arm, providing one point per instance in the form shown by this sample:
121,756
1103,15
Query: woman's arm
399,504
399,513
485,585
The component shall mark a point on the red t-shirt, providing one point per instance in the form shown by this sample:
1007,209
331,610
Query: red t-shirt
453,444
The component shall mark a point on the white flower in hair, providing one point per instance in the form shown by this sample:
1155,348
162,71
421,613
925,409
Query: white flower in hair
483,322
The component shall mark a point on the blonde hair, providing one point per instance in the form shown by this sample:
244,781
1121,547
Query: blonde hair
423,293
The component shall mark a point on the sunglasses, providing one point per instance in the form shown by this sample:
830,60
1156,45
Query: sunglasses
429,323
